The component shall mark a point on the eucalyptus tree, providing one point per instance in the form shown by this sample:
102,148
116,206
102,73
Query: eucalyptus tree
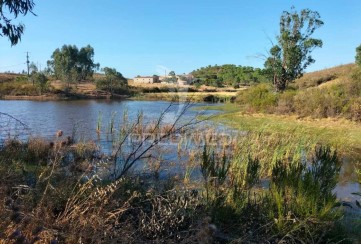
86,65
358,55
292,54
10,10
70,64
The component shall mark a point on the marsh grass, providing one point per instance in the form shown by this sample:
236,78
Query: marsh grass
342,134
298,205
66,196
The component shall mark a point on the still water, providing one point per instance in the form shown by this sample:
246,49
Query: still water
46,118
80,117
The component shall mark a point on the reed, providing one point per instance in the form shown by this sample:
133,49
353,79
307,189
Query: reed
99,122
255,187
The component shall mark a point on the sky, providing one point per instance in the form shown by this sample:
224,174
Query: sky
144,37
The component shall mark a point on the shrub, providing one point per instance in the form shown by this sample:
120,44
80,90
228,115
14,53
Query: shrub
320,102
116,87
304,191
285,103
19,88
353,109
41,81
260,98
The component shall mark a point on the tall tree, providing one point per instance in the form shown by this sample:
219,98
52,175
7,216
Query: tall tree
13,8
86,65
71,64
358,55
63,63
292,53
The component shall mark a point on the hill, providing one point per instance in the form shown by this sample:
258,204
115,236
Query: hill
326,76
333,92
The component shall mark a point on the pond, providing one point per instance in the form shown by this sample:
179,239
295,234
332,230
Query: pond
81,118
46,118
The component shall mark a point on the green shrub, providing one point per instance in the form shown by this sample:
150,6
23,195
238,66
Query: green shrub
320,102
303,192
41,81
116,87
261,98
353,109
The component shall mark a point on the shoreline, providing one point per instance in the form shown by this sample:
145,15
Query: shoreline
62,98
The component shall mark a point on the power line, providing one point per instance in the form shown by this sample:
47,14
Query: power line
9,66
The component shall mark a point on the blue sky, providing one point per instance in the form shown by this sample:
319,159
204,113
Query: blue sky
147,37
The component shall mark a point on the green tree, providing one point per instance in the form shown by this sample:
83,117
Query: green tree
14,8
40,80
229,75
292,53
86,65
358,55
172,73
70,64
114,81
62,63
33,68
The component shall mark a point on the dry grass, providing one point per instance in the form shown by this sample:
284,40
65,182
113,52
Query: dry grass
8,77
326,77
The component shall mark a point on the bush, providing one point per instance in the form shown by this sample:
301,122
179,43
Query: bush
18,88
117,87
260,98
41,81
302,192
353,109
321,102
285,103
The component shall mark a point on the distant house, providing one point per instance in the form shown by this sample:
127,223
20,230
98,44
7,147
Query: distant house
146,79
185,79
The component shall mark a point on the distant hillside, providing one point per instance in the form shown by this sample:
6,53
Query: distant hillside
326,76
6,77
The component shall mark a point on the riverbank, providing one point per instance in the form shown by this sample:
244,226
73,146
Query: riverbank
212,97
56,192
64,97
343,134
197,184
17,87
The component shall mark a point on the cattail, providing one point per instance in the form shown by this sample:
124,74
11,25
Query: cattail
59,133
69,140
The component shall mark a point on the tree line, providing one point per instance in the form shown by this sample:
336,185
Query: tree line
286,61
229,75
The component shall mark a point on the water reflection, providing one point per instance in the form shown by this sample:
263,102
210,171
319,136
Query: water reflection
44,118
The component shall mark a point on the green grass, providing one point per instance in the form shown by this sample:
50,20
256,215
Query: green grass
227,107
339,133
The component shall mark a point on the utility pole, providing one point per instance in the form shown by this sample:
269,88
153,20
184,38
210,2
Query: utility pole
28,62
